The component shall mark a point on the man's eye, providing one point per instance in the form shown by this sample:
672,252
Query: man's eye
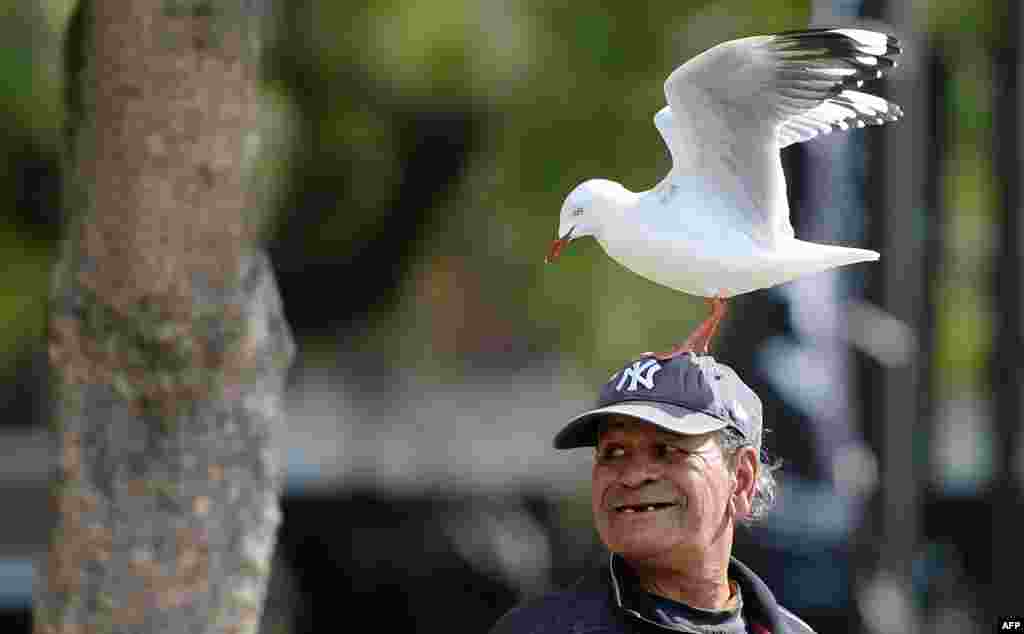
671,450
610,453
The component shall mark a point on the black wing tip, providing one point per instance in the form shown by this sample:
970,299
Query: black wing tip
835,29
817,45
833,38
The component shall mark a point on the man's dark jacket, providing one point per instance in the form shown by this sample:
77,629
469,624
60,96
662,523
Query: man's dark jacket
604,602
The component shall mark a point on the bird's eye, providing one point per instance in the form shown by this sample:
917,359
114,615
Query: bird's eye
578,211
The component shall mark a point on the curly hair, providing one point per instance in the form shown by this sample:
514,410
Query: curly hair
765,488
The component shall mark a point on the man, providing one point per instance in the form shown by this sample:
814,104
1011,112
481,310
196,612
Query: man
676,466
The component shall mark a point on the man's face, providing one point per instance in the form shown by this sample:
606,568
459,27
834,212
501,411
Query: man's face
661,497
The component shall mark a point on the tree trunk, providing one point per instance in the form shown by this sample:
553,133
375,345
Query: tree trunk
167,338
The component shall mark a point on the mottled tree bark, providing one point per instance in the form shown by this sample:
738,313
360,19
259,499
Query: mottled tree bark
167,338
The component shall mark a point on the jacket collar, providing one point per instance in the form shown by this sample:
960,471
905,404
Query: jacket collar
759,605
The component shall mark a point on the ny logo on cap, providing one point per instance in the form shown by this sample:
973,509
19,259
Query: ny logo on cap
641,372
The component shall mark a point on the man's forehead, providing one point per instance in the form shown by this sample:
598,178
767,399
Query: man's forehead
622,423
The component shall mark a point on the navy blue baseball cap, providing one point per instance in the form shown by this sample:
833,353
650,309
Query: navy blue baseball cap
687,394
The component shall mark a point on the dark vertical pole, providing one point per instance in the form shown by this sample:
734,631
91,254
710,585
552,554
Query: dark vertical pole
900,223
935,238
937,143
1007,375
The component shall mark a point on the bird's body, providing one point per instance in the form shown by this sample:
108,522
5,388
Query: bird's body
712,258
717,225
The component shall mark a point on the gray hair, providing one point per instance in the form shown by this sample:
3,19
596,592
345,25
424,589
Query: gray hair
765,488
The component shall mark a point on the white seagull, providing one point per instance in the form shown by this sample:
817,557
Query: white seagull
718,224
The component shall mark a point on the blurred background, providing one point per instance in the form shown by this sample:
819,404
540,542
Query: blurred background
420,152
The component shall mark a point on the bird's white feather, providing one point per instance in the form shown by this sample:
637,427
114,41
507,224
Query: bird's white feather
731,108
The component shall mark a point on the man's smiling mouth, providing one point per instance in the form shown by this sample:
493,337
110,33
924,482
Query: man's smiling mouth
643,508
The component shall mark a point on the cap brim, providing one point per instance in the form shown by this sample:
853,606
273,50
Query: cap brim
581,431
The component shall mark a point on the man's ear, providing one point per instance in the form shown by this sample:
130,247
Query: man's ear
747,467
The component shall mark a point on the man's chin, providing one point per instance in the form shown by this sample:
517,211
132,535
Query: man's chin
641,538
642,548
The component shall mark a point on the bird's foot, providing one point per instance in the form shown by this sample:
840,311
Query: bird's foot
678,349
699,340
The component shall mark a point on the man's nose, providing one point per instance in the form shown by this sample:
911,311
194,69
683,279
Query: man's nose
639,469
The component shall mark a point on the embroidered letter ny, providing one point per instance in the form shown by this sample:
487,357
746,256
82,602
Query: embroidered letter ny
641,372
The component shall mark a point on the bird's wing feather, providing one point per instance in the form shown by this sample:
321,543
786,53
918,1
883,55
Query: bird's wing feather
733,107
848,109
665,123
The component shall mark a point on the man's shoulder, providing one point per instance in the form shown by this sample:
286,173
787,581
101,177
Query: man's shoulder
588,606
584,606
767,614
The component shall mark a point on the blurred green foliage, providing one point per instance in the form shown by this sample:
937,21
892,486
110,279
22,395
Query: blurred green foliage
30,120
564,92
970,199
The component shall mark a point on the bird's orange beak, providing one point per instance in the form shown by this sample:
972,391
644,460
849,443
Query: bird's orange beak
556,250
557,246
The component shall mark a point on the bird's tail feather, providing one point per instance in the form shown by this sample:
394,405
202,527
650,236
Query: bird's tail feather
810,257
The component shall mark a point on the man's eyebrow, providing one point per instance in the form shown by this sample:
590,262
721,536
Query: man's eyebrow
609,426
667,435
662,435
680,439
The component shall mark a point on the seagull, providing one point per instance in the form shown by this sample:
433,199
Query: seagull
717,225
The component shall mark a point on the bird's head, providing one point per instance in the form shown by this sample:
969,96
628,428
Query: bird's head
582,213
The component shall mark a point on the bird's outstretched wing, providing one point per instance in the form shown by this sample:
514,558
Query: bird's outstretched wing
731,108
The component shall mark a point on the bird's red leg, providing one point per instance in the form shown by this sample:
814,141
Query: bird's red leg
700,339
718,309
